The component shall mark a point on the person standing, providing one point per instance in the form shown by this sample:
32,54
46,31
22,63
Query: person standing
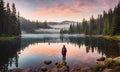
64,51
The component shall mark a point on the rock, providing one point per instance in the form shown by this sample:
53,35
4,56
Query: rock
47,62
63,69
117,58
101,62
109,58
35,69
43,69
86,69
68,68
26,70
15,70
107,70
56,63
64,63
101,59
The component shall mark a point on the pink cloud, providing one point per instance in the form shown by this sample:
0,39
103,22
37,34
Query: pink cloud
56,12
106,4
62,9
81,5
65,9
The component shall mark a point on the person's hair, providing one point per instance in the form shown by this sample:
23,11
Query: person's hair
63,46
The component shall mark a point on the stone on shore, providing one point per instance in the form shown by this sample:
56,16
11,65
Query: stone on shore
117,58
107,70
26,70
101,63
63,69
15,70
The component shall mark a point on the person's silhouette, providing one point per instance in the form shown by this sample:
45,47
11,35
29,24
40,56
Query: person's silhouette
64,51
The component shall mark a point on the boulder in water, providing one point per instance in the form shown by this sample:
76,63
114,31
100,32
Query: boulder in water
47,62
101,59
56,63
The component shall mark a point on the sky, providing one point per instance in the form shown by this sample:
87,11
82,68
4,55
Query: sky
60,10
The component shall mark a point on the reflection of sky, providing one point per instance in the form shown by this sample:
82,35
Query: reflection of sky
35,54
58,10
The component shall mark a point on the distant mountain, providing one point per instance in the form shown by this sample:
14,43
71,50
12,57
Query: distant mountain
63,22
68,22
53,23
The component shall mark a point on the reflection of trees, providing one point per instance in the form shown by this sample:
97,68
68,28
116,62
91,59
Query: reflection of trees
9,50
77,40
27,41
101,45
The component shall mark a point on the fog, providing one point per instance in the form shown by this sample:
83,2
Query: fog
54,28
62,26
50,35
48,30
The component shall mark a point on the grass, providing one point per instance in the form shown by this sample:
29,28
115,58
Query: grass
110,64
116,37
8,37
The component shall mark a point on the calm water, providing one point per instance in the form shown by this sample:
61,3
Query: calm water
32,49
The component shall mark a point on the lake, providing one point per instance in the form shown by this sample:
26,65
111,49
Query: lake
31,50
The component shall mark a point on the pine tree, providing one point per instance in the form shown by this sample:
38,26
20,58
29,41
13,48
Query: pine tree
105,23
110,17
101,24
71,29
18,25
99,27
14,20
92,25
113,26
9,22
45,24
117,14
85,27
2,17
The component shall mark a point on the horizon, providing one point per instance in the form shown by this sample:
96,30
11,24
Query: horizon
60,10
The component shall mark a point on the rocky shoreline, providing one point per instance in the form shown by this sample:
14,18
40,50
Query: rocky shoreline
63,67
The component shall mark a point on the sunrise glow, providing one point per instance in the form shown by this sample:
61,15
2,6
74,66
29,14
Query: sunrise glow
59,10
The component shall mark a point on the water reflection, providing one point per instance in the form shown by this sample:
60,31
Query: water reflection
107,47
9,50
82,49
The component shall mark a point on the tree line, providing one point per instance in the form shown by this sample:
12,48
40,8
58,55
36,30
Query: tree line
30,26
107,23
73,29
9,20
